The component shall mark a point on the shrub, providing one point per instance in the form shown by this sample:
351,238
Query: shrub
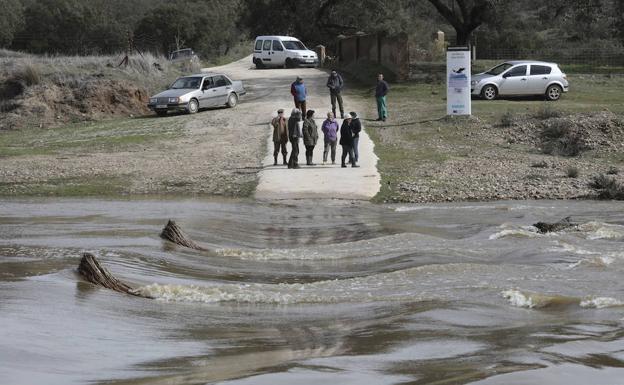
507,119
572,172
613,171
541,164
607,187
28,74
560,138
8,105
547,112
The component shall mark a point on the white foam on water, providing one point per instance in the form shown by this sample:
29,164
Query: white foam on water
386,245
593,262
599,230
512,231
428,282
518,299
404,209
521,299
601,302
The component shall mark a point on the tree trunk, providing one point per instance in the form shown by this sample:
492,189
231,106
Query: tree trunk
463,38
173,233
91,270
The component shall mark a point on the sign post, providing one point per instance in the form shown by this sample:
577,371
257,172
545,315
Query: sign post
458,100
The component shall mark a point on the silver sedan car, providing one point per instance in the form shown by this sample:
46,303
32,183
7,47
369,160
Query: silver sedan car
518,78
190,93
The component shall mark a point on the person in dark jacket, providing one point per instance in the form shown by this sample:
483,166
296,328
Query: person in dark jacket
356,127
280,135
294,133
380,95
335,85
310,136
299,92
346,141
330,136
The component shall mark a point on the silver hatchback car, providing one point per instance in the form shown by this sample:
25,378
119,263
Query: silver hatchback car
190,93
520,78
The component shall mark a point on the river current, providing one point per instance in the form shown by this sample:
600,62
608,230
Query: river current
312,291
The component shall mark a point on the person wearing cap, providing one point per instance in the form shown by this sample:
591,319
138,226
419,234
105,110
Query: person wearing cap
310,136
356,127
280,136
330,133
380,95
335,85
346,141
298,91
294,133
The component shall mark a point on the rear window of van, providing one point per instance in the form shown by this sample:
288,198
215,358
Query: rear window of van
258,45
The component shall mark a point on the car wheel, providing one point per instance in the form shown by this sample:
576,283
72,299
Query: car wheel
232,100
161,112
259,64
553,92
489,92
193,106
290,63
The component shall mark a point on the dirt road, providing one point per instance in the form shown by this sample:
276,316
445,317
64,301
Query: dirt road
215,152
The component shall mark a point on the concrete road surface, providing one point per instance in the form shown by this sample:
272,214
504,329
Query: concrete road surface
272,86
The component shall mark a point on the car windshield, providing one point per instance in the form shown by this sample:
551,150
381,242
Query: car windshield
499,69
186,83
295,45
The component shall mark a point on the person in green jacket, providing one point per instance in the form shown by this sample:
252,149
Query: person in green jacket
310,136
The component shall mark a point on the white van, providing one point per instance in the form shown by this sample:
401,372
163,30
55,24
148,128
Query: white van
280,51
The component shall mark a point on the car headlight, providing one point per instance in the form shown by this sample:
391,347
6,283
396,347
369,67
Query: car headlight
174,100
473,82
153,100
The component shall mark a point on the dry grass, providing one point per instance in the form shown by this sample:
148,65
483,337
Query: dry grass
147,70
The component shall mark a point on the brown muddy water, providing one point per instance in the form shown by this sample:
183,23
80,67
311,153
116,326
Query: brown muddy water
313,292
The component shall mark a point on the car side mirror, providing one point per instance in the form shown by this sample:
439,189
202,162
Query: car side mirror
506,75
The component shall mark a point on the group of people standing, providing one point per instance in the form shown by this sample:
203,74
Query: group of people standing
301,124
295,128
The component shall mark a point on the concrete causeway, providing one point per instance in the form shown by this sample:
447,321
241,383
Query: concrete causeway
320,181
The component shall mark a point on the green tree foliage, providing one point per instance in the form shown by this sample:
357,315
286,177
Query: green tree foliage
55,26
554,25
320,21
212,26
11,19
209,26
465,15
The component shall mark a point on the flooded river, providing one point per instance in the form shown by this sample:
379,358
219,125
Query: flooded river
306,293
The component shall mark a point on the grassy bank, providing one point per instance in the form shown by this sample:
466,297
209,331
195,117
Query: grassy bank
125,134
425,156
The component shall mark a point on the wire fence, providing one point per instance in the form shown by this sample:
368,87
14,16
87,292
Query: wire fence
583,56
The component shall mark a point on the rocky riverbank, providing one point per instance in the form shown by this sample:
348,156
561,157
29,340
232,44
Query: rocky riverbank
513,159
